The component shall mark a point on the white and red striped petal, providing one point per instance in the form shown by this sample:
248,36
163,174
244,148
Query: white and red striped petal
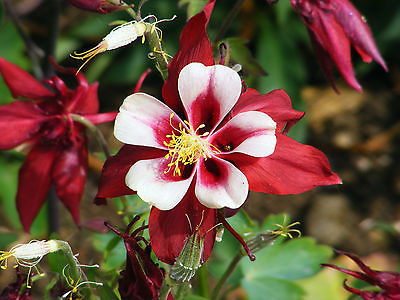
144,121
154,185
208,93
252,133
220,184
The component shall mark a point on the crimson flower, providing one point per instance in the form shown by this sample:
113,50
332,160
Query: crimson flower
17,290
142,279
333,26
389,282
232,141
100,6
58,144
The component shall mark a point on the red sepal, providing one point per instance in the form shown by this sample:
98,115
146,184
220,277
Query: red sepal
170,229
21,83
194,46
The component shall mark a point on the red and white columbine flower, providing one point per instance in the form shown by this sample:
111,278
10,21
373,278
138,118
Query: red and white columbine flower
197,147
231,142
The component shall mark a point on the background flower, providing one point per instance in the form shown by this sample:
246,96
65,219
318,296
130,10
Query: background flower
57,143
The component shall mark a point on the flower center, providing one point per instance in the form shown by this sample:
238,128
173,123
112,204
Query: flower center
186,146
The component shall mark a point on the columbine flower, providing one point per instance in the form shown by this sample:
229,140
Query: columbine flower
57,143
100,6
142,278
333,26
217,144
389,282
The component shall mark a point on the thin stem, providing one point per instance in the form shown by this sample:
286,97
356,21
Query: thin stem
129,10
225,276
53,27
233,13
202,275
94,129
165,289
181,291
34,52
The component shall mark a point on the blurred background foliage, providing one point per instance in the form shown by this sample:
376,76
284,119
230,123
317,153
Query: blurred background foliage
358,132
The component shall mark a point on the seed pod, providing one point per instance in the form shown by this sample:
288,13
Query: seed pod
189,259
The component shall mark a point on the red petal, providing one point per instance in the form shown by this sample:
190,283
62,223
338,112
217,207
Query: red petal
69,174
112,180
21,83
275,104
34,182
293,168
101,118
169,229
19,121
357,31
90,105
333,39
194,46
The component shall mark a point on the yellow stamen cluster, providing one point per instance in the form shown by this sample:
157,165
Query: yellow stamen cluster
186,147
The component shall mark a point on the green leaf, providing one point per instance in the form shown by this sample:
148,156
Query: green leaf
294,259
115,256
193,6
277,265
223,253
272,289
194,297
242,223
242,55
106,292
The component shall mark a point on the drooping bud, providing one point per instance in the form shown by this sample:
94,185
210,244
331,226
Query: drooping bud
142,278
100,6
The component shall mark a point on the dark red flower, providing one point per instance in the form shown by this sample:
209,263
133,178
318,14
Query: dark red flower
142,279
389,282
18,289
100,6
57,143
334,26
291,168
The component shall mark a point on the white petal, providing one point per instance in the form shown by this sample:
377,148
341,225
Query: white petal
208,93
144,121
153,186
252,133
220,184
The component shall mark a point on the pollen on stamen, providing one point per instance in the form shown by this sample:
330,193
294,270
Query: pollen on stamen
186,146
89,54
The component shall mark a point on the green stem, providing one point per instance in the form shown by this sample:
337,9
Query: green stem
32,50
156,50
225,276
235,10
153,40
181,291
165,289
74,268
95,130
202,275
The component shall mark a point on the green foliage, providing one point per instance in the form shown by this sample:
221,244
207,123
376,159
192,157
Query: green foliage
241,54
113,248
193,6
278,265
